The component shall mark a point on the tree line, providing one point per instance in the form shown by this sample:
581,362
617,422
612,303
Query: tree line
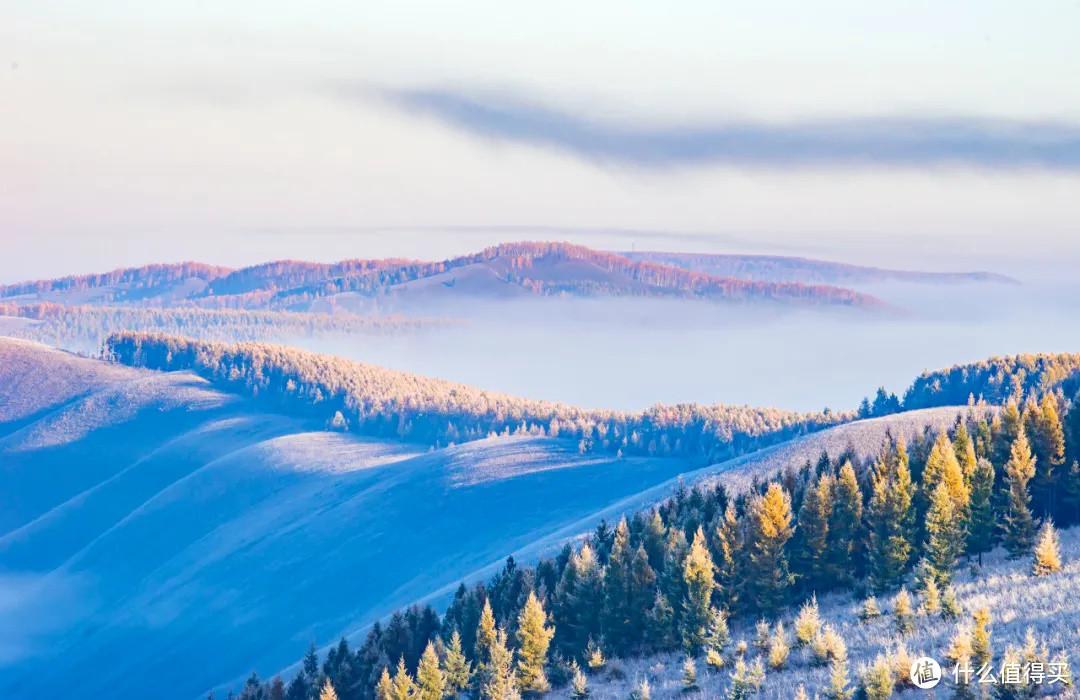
375,401
61,324
671,577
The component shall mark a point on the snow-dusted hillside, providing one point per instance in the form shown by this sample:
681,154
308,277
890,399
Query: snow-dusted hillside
155,532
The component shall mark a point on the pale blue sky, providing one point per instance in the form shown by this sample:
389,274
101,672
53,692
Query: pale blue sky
234,132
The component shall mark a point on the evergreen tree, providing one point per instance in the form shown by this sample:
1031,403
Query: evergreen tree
616,615
403,688
981,653
486,637
385,689
456,668
981,510
311,669
641,595
942,467
277,689
745,680
812,535
890,518
661,623
671,581
327,692
534,637
945,535
839,687
844,520
903,614
697,604
964,448
253,689
1019,525
1070,493
298,688
1048,446
727,560
768,532
655,541
429,677
1047,555
500,682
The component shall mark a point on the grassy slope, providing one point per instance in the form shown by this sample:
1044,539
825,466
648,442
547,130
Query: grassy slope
1017,601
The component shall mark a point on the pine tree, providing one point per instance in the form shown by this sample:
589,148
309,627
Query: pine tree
964,448
689,669
808,623
429,677
697,605
500,682
456,668
768,531
745,680
903,615
662,623
385,689
839,687
847,514
277,689
311,668
778,648
616,615
1047,556
890,518
812,535
579,684
942,467
534,637
655,540
486,637
327,692
1048,445
980,638
298,689
404,687
641,595
727,559
1019,525
981,510
945,535
1070,492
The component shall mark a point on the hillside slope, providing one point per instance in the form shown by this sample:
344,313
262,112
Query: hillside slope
154,528
778,268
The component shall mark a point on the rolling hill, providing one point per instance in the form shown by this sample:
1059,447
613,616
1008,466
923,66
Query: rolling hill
777,268
155,529
357,286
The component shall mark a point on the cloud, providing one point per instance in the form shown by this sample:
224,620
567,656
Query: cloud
895,141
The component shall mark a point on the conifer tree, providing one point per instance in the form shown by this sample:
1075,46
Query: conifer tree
727,559
903,615
456,668
890,518
385,689
1048,445
616,614
812,535
689,669
697,605
945,535
327,692
964,448
641,594
745,680
981,510
718,635
1069,509
486,638
768,532
403,688
500,682
655,540
298,688
981,653
1018,524
534,637
672,584
311,667
844,521
839,687
430,681
1047,556
942,467
661,623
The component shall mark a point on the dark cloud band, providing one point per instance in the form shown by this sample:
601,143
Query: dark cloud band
997,144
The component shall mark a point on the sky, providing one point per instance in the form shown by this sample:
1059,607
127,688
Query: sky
918,134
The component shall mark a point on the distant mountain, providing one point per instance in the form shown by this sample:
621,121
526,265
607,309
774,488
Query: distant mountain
500,272
777,268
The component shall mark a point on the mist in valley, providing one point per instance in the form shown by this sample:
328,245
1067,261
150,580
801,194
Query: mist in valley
629,353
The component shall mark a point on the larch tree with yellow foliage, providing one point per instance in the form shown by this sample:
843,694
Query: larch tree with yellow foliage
768,531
